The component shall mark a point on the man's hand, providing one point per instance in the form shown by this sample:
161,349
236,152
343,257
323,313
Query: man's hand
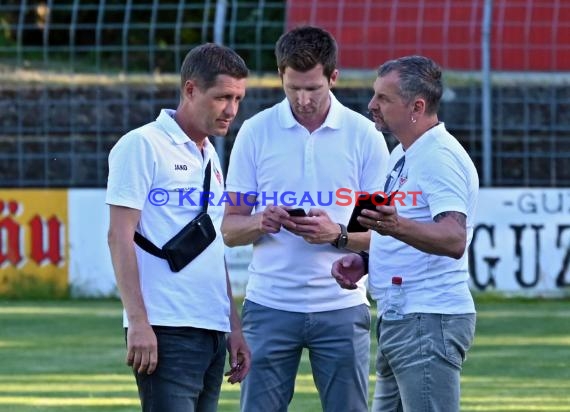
316,228
384,220
142,353
272,218
348,270
240,357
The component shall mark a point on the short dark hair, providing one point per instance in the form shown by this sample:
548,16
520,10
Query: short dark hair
205,62
419,76
304,47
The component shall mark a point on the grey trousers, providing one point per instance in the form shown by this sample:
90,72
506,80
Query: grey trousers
339,351
419,362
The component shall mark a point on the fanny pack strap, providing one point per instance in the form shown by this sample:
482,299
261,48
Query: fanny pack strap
206,186
148,246
154,250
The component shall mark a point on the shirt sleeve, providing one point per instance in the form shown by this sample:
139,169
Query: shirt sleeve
131,169
444,184
242,168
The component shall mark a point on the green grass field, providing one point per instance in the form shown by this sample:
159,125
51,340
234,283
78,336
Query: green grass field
68,356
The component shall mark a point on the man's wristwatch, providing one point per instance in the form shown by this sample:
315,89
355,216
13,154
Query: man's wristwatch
342,239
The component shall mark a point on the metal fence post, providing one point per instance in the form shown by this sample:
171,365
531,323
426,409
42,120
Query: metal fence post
219,24
486,99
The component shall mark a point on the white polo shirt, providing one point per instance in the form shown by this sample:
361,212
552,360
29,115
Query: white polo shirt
279,159
442,172
153,169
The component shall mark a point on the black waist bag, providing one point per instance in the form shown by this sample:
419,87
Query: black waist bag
187,244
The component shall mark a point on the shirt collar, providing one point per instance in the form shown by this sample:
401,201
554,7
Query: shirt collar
426,137
166,120
332,121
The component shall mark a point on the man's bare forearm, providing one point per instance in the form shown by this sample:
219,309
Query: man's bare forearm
123,257
239,230
358,241
446,236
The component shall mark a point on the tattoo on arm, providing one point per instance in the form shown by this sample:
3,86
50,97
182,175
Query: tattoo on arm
457,216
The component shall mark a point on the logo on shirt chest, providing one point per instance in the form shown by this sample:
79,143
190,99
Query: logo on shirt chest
218,175
180,167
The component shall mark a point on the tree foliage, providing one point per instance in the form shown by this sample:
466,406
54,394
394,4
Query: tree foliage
137,35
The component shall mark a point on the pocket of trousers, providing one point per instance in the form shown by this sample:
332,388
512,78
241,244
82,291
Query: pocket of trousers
458,334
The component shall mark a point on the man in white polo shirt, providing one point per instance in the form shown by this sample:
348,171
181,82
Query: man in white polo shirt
423,239
299,153
176,321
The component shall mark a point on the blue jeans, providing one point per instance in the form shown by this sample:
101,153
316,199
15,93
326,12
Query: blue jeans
189,373
339,351
419,362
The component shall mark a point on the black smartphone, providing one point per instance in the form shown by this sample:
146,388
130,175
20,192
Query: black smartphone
365,202
370,202
297,212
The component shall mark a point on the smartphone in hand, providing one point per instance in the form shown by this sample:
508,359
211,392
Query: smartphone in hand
365,202
370,202
297,212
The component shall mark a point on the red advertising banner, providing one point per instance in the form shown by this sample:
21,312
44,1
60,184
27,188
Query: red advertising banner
33,243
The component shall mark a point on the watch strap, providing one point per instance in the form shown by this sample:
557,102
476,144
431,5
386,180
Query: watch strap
342,239
365,257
